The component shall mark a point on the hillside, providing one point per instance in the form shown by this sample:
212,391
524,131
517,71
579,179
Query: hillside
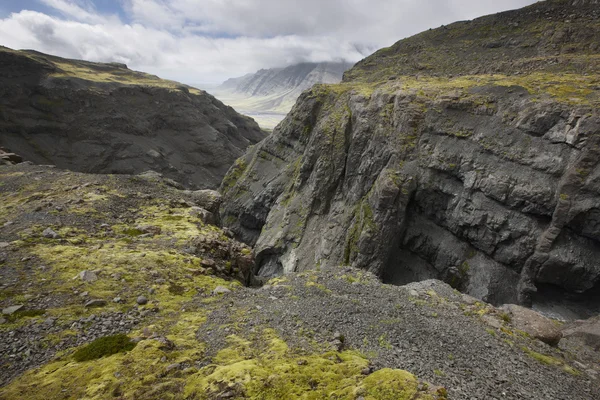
105,118
469,153
269,94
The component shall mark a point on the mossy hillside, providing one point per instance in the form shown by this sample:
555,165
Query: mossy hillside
569,88
552,35
62,68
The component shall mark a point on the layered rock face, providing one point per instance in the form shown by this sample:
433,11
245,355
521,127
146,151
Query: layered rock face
105,118
412,171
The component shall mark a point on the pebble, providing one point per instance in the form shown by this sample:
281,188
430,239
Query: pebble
49,233
88,276
141,300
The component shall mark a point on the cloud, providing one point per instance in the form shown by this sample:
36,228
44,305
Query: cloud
212,40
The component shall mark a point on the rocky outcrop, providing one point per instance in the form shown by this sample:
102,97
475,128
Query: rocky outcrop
105,118
489,182
9,158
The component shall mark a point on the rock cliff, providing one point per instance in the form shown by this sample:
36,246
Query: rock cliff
467,153
105,118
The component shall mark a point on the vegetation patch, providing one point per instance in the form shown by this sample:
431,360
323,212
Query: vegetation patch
103,347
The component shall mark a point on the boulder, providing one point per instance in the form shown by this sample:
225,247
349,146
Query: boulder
209,199
95,303
12,309
586,330
534,324
221,290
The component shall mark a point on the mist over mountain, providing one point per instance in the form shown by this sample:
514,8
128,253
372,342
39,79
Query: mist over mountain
269,94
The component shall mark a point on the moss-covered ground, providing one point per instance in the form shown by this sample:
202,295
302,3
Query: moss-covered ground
142,238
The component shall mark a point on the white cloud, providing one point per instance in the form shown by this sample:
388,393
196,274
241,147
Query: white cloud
81,11
212,40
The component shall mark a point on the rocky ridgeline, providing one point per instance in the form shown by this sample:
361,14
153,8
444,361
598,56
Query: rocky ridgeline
105,118
489,182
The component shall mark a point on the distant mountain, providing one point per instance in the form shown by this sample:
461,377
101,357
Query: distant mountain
106,118
269,94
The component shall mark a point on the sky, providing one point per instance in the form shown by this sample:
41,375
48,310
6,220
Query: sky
209,41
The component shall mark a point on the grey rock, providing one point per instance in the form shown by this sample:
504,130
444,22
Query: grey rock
49,233
534,324
117,300
208,199
88,276
4,245
141,300
12,309
221,290
587,331
95,303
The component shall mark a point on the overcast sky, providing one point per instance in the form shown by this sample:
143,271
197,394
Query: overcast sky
208,41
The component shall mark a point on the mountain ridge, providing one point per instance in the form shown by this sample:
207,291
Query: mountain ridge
105,118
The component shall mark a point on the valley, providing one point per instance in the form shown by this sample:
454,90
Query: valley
422,225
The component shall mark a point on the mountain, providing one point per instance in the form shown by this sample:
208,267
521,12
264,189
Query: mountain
468,153
105,118
269,94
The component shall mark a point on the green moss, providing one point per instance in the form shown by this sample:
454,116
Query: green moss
233,175
103,347
25,314
274,371
389,384
542,358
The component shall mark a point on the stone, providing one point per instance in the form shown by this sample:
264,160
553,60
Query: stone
588,331
88,276
117,300
141,300
95,303
4,245
149,229
208,199
221,290
12,309
533,323
49,233
173,366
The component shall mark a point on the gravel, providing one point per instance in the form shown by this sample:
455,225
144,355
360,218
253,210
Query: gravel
434,336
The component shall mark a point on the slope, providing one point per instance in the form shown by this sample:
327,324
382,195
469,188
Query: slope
105,118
